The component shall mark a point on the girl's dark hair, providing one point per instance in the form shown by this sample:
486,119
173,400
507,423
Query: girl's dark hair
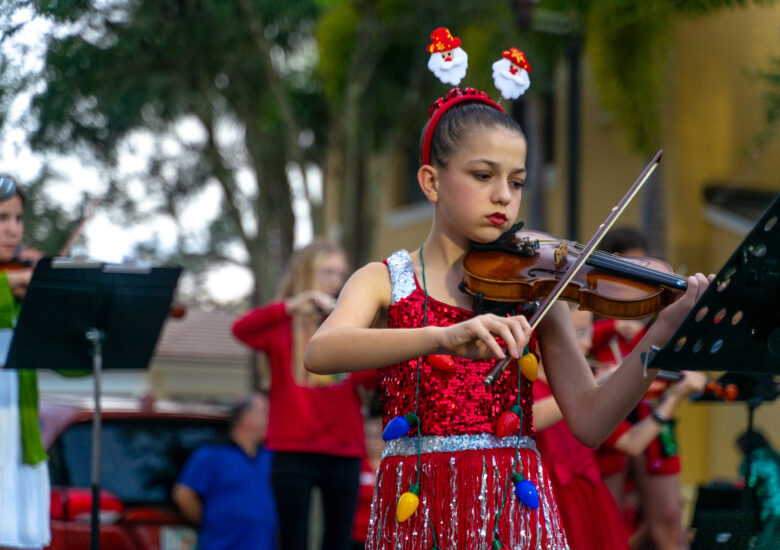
456,124
238,410
17,189
750,441
622,238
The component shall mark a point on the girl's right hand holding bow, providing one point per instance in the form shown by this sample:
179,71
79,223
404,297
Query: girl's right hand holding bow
477,337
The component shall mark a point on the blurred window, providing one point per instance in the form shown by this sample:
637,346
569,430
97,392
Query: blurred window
140,459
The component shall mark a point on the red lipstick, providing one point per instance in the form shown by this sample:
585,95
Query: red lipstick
497,218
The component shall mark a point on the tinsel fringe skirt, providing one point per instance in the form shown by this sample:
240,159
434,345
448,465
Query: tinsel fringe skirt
465,483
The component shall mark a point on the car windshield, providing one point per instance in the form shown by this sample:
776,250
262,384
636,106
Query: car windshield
140,458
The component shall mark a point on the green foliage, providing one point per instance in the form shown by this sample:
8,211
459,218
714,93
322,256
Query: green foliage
628,44
770,78
335,34
48,225
239,74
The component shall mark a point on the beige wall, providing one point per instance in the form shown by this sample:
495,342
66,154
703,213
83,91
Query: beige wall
713,113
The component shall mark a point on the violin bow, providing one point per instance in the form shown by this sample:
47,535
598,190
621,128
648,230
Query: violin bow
572,270
93,206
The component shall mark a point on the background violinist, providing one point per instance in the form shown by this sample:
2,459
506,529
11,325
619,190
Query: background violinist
647,436
24,475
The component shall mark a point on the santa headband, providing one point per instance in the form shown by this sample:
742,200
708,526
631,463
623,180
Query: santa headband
517,57
442,40
511,78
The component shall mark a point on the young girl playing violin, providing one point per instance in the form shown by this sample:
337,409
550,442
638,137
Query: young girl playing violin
24,475
434,354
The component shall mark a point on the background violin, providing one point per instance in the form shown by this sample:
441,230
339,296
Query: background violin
720,391
715,389
16,264
525,266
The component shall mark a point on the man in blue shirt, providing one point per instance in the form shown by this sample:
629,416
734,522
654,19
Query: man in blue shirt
226,488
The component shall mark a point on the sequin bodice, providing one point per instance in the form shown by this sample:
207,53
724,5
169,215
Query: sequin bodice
448,403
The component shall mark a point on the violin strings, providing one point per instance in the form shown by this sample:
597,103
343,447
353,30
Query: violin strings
653,275
622,265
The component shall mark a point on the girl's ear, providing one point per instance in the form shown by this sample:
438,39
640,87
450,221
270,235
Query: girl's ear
428,180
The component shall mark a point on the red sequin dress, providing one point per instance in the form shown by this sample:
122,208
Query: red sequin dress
465,468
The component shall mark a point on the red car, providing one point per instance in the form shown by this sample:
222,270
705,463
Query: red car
144,446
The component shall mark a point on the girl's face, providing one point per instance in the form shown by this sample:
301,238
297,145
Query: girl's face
11,227
481,187
330,272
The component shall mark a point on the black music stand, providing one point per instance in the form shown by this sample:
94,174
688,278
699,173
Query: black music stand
725,517
78,315
735,326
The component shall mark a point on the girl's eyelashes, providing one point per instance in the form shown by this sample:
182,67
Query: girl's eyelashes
518,184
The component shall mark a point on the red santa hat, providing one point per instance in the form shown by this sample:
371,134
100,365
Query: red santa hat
442,40
517,57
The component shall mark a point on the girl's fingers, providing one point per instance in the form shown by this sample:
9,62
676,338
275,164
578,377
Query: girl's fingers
522,332
505,332
515,331
704,283
487,338
697,286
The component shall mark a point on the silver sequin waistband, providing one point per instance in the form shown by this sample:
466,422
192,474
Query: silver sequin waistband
407,446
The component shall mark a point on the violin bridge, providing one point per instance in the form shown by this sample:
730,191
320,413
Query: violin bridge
559,257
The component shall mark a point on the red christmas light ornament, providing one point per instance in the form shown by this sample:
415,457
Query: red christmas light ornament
509,421
442,363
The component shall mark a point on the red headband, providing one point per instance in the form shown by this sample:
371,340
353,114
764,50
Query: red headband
444,104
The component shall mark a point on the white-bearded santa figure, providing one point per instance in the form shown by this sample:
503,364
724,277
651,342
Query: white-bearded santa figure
510,74
448,60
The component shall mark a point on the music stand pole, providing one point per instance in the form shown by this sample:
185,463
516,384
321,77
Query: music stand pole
75,313
95,338
752,404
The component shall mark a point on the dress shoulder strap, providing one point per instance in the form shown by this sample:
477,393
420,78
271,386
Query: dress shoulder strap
401,274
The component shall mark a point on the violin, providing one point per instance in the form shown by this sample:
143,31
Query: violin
525,266
24,258
714,388
16,264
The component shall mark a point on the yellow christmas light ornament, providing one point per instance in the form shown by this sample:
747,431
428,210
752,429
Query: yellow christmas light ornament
408,503
529,366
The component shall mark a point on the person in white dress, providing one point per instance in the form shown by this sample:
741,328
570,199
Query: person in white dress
24,474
